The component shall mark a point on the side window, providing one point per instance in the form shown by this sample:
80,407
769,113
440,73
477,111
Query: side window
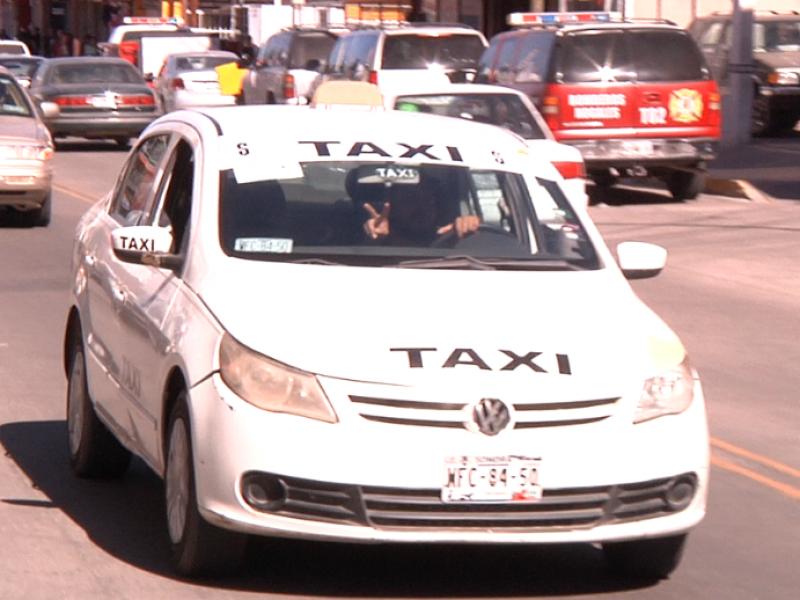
685,59
337,55
135,194
176,207
712,36
534,57
485,64
504,65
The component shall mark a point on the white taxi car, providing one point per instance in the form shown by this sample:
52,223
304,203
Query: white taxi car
375,327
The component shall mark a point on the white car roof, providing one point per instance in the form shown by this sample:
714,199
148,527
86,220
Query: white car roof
271,136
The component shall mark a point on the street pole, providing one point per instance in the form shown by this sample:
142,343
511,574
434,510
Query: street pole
737,118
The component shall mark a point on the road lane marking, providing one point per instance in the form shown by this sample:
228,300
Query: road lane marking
78,195
789,490
785,488
772,464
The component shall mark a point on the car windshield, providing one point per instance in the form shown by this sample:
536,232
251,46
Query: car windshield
202,62
72,74
11,48
310,47
777,36
12,99
455,51
19,66
506,110
391,214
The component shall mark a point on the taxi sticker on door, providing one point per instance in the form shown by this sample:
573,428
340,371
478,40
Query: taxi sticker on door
686,106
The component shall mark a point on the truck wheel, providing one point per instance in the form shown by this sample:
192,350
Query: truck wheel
645,559
198,547
685,185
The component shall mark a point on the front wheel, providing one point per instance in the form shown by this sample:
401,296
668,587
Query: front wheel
123,142
198,547
645,559
94,452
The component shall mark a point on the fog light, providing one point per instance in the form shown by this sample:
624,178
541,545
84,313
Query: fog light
680,492
263,492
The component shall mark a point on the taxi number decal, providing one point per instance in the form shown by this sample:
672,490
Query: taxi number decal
273,245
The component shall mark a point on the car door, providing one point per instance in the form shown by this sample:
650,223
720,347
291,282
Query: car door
150,291
114,378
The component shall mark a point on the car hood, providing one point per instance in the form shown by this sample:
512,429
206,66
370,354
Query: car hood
406,326
21,128
779,60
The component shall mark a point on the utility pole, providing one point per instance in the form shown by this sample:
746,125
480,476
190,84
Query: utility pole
736,122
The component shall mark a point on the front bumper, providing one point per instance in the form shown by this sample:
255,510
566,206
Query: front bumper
367,481
657,152
25,184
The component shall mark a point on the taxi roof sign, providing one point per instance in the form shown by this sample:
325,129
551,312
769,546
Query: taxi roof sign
348,94
528,18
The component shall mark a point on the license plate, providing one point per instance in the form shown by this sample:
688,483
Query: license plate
491,479
104,102
642,148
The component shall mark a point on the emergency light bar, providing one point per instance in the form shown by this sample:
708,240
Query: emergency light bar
152,21
520,18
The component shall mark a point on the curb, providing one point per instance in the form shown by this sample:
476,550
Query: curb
735,188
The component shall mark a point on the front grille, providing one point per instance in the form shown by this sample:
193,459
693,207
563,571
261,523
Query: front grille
422,509
453,416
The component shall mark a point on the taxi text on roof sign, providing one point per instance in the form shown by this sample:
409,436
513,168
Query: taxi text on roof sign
573,17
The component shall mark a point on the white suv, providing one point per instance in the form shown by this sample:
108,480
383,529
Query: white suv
404,53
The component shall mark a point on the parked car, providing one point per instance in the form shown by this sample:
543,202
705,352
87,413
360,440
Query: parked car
189,79
98,98
22,66
394,54
499,106
286,65
26,153
776,59
14,47
610,88
375,327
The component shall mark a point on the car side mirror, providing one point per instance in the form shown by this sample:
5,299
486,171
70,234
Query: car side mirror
145,245
50,110
641,260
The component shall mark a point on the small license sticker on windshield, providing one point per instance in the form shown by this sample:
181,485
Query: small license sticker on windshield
274,245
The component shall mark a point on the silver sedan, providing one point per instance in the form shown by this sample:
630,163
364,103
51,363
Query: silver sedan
189,79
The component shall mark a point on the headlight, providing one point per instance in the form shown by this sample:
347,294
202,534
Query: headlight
669,393
270,385
26,152
781,77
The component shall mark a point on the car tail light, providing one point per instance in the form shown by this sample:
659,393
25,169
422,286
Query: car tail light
137,100
130,52
551,111
373,77
177,84
288,86
714,109
73,100
570,169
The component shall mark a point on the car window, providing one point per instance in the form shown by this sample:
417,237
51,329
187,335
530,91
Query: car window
135,194
336,57
11,48
455,51
534,57
177,189
20,68
597,57
12,99
504,62
322,215
685,62
310,47
202,62
505,110
95,73
782,36
486,64
712,35
359,55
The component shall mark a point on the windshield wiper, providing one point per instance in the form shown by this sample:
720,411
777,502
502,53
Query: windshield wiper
489,264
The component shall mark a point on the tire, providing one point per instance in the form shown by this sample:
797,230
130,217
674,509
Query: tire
650,559
604,179
94,452
123,142
43,216
685,185
198,547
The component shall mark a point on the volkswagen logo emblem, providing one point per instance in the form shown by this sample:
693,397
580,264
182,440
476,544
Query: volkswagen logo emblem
488,416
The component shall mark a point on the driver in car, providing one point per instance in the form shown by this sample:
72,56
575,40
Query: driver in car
412,214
